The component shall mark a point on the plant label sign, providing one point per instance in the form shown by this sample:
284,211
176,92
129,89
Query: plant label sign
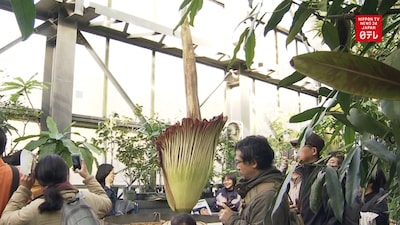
368,28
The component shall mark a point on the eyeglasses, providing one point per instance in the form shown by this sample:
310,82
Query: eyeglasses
238,161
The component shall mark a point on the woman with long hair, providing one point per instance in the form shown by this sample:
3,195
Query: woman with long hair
105,176
52,172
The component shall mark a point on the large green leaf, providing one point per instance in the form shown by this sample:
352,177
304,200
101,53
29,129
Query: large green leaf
87,156
92,148
306,115
237,47
369,7
394,58
47,149
385,6
353,177
379,150
26,137
300,17
342,118
250,46
334,188
291,79
70,145
349,137
330,34
345,164
32,145
335,8
350,73
316,192
392,110
277,16
324,91
192,8
24,11
366,123
398,167
344,100
51,124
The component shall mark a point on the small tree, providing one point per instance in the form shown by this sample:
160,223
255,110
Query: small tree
134,144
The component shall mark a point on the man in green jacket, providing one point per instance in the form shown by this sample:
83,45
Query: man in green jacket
261,182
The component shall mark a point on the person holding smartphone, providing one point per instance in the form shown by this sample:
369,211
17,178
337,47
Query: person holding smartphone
52,172
105,176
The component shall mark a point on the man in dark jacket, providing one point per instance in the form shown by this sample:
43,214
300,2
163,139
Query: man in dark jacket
308,170
261,181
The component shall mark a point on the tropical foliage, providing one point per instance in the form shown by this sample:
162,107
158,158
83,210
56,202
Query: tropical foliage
18,106
134,144
55,142
363,81
356,73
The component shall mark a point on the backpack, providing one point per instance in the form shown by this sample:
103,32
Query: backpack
15,180
78,212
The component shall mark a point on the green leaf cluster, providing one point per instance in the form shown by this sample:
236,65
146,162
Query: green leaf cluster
134,142
55,142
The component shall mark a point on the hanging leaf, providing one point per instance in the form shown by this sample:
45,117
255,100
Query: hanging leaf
51,124
366,123
191,11
24,11
324,91
306,115
342,118
349,137
334,188
48,148
394,58
330,35
379,150
345,164
385,6
335,8
398,167
344,100
300,17
353,177
316,192
369,7
277,16
351,74
33,144
392,110
289,80
87,156
194,9
237,47
250,46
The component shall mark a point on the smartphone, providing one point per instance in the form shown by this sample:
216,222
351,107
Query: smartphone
76,161
27,159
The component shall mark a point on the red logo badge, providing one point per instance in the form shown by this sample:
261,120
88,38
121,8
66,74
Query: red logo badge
368,28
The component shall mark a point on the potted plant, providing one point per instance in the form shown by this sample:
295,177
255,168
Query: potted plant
134,143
